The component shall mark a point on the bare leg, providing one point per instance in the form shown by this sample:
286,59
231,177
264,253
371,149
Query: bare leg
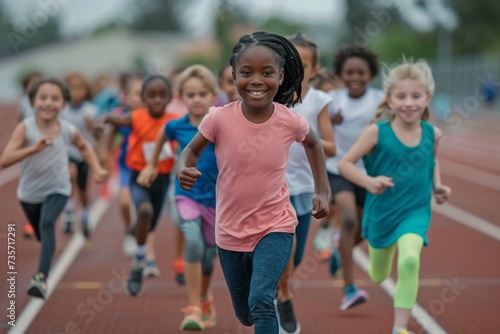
346,206
401,317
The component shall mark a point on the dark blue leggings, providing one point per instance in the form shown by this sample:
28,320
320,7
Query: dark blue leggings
301,232
43,217
252,278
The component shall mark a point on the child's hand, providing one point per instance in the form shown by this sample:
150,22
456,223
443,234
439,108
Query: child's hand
187,177
98,129
42,143
320,206
378,184
442,193
147,176
337,118
101,175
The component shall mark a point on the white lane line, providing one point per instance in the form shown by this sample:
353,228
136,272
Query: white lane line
468,219
70,252
9,174
470,174
424,319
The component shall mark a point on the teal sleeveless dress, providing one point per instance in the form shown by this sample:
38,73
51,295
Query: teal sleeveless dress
405,208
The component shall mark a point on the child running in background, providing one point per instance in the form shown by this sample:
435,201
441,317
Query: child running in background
299,178
26,110
196,208
80,112
255,220
40,142
352,109
132,100
148,201
228,91
399,217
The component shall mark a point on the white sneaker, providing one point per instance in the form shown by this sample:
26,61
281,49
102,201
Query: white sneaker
129,244
323,238
151,270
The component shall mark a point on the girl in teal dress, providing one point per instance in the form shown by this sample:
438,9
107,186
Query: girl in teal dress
402,172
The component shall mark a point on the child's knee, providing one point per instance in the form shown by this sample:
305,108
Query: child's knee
349,224
145,211
376,276
409,263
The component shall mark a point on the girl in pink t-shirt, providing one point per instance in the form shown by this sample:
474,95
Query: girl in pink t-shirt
255,221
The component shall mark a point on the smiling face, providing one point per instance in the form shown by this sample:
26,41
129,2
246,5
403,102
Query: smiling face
156,96
48,101
197,96
356,75
408,99
257,76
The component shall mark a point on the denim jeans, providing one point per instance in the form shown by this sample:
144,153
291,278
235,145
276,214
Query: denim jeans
252,278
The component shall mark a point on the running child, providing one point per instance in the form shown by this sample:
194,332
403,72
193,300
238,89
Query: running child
400,154
299,178
40,142
255,222
352,110
80,112
228,91
132,100
148,201
196,208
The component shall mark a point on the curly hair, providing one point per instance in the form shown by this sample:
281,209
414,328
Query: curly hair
350,51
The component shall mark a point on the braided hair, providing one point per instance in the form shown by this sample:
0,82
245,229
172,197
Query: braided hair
156,77
289,61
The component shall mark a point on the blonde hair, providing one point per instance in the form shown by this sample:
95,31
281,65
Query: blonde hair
200,72
418,71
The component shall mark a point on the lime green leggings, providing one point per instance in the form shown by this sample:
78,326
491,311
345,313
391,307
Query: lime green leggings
409,247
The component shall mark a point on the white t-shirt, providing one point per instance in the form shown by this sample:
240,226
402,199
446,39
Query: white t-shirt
298,171
76,116
358,114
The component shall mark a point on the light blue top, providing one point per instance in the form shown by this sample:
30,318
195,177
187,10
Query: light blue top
203,190
405,208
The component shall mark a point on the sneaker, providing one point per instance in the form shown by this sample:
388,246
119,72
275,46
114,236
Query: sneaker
134,281
192,319
28,231
129,243
353,297
335,260
38,286
322,242
208,314
151,270
85,226
68,220
286,317
401,331
178,266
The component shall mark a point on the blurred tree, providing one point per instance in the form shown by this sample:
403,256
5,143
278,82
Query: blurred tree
280,26
155,15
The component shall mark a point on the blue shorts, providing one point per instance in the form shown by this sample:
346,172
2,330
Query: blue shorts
124,176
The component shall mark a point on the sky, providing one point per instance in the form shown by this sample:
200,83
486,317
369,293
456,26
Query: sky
83,15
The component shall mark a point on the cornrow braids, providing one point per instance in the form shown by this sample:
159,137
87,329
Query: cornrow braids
289,60
156,77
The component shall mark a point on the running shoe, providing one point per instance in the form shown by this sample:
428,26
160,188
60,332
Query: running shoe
322,242
286,317
151,270
38,286
178,266
85,226
208,313
401,331
335,260
192,319
134,282
353,297
129,243
68,221
28,231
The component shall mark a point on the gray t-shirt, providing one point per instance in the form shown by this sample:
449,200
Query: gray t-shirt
46,172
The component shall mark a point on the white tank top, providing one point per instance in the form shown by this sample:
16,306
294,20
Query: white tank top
46,172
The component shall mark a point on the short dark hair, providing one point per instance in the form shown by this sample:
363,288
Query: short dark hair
301,40
34,88
289,61
156,77
350,51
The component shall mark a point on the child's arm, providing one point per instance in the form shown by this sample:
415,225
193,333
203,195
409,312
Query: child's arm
363,146
326,131
186,170
316,157
14,152
441,192
100,174
105,145
119,120
150,172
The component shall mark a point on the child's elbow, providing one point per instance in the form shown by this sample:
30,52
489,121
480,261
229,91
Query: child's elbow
330,152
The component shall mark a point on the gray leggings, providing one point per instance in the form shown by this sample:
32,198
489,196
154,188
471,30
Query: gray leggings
197,248
43,217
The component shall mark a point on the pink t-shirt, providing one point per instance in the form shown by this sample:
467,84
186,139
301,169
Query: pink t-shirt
252,196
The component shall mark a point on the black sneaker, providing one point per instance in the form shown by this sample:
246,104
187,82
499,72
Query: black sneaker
134,282
85,226
286,318
38,286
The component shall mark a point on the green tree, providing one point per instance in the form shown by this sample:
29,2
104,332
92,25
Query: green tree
155,15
